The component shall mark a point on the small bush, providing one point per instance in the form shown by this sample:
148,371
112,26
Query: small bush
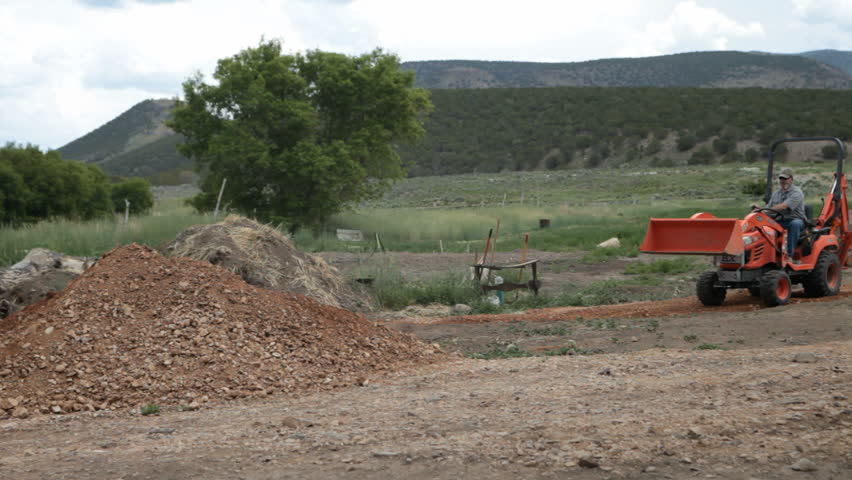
829,152
724,145
666,266
755,188
393,292
751,155
686,142
654,147
662,162
708,346
701,157
559,330
570,350
137,191
149,409
733,157
497,350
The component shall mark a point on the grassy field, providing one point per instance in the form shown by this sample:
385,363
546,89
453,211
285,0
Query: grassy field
426,214
93,238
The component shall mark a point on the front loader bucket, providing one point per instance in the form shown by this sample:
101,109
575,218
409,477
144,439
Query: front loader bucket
694,236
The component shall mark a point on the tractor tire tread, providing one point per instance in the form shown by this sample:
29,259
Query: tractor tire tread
816,282
769,288
708,293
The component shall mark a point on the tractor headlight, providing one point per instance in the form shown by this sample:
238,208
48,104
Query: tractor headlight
748,240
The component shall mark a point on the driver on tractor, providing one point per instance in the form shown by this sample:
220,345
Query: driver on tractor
790,201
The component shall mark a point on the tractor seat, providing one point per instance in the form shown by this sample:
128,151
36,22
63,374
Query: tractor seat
810,221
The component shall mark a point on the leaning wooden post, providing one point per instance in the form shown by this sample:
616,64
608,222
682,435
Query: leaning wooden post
126,211
218,200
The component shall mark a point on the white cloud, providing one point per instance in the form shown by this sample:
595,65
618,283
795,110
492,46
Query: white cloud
824,11
68,66
691,27
495,29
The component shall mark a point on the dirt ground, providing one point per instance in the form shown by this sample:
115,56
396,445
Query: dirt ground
646,390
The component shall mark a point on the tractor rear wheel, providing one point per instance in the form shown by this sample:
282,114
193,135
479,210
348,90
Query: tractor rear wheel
708,293
824,280
775,288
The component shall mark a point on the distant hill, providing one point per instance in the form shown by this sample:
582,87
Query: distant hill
137,143
835,58
493,129
699,69
135,128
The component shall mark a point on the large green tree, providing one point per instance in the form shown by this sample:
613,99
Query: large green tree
35,185
298,137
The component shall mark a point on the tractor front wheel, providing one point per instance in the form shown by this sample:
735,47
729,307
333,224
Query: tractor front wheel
775,288
824,280
708,293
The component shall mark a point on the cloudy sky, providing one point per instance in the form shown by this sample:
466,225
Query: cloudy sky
68,66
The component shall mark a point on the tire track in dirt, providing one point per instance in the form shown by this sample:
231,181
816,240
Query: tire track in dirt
739,301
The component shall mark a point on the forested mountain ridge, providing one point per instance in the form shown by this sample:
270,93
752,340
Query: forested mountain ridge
699,69
836,58
494,129
138,126
489,130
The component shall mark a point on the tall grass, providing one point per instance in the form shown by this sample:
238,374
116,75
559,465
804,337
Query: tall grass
393,292
462,230
92,238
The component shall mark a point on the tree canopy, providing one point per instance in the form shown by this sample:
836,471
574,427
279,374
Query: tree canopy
137,191
35,185
298,137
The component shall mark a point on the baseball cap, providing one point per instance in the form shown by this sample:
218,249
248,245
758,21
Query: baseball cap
786,173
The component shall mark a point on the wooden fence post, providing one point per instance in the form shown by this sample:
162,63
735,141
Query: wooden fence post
218,200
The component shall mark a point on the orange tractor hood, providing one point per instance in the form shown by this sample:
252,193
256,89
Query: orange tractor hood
702,234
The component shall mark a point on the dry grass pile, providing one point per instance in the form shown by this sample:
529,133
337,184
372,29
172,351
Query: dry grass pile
263,256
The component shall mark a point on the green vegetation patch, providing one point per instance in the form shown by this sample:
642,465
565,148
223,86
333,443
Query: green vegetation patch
663,266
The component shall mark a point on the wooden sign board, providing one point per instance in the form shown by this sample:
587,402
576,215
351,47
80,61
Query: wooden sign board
350,235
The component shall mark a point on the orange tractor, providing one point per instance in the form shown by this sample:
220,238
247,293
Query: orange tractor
750,253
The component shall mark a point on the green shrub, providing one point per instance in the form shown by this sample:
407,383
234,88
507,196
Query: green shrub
751,155
666,266
701,157
137,191
497,350
662,162
392,291
754,188
149,409
686,142
733,157
829,152
571,349
723,145
654,147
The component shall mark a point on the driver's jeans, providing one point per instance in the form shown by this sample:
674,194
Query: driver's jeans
794,227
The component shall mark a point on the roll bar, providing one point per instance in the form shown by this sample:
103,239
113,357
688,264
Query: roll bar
841,153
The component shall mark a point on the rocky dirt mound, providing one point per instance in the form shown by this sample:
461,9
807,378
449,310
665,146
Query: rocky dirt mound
266,258
139,328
